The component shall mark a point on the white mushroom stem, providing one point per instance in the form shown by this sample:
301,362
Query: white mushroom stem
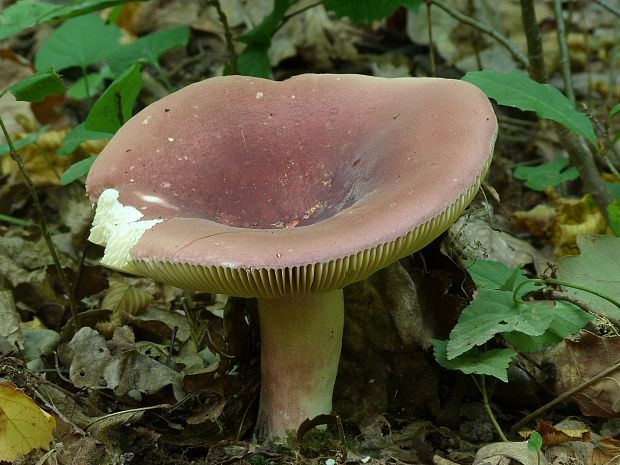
301,338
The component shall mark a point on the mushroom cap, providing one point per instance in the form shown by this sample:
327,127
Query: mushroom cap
252,187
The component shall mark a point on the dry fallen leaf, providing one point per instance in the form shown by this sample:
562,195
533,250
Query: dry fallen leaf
23,425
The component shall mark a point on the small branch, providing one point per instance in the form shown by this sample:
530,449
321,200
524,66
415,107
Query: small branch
73,307
565,395
512,48
230,44
612,9
431,46
536,67
285,18
564,57
557,295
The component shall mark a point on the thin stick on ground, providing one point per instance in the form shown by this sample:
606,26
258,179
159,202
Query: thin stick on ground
68,288
230,44
564,56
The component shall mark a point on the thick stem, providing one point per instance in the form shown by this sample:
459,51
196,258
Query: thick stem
301,339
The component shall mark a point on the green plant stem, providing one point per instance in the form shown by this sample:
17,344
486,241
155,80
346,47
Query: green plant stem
86,84
463,18
564,56
73,307
565,395
482,387
612,9
577,149
230,44
431,47
295,13
559,282
164,78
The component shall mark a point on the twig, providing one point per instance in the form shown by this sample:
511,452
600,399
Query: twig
564,58
43,223
557,295
612,9
296,12
577,149
512,48
565,395
230,44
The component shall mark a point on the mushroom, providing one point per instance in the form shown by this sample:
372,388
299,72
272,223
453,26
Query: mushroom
287,192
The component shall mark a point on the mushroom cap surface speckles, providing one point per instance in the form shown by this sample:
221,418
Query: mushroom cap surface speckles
269,188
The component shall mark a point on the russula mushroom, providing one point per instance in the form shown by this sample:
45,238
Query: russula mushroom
288,191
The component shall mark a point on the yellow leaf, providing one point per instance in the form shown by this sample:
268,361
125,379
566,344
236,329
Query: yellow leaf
23,425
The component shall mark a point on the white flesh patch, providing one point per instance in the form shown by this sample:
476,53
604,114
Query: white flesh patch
117,228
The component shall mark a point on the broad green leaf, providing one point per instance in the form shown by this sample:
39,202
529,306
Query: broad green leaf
38,86
493,312
568,319
148,49
265,30
615,110
490,274
515,89
253,61
545,175
613,211
535,442
21,143
77,170
78,135
80,42
598,269
25,14
115,105
367,11
492,363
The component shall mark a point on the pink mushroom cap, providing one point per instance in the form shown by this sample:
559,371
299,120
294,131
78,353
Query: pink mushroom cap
264,188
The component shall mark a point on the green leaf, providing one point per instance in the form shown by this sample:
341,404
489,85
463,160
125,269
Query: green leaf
489,274
148,49
551,174
367,11
613,211
597,268
567,319
78,135
615,110
115,105
21,143
80,91
25,14
38,86
77,170
534,443
253,61
265,30
515,89
614,189
80,42
493,312
493,362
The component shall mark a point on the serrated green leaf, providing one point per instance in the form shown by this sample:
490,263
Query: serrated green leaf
515,89
492,363
123,296
568,319
25,14
597,268
79,42
21,143
367,11
613,212
615,110
77,170
253,61
148,49
490,274
115,105
493,312
38,86
545,175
